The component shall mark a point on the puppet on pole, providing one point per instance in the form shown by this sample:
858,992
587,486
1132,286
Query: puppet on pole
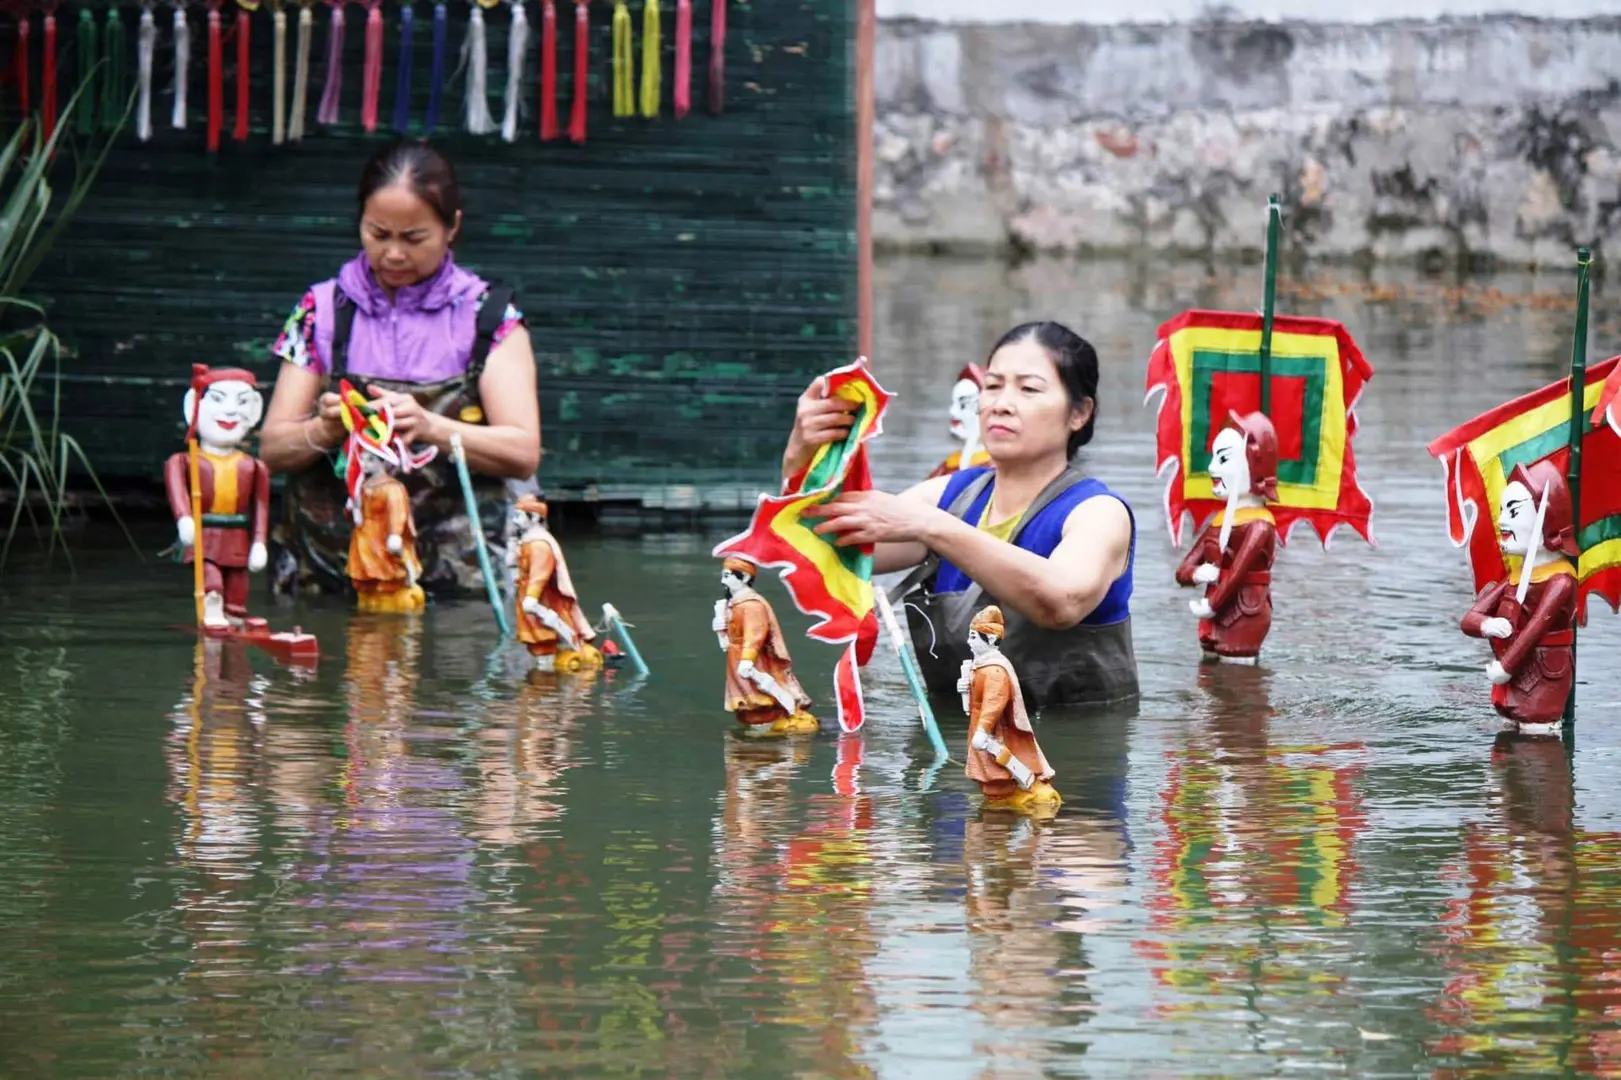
1254,437
1558,526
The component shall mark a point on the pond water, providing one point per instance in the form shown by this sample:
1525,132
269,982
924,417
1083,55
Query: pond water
417,861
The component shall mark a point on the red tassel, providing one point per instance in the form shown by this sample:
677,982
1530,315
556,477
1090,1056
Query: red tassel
240,134
21,60
372,73
683,58
48,75
548,71
582,55
216,78
717,57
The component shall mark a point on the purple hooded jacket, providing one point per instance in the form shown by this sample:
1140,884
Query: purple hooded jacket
425,335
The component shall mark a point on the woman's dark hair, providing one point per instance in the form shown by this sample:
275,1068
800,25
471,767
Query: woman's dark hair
420,167
1076,361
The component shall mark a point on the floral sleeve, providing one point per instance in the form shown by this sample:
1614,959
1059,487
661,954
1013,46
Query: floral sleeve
510,321
296,344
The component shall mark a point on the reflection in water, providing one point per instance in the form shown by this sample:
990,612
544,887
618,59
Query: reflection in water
1255,871
1533,948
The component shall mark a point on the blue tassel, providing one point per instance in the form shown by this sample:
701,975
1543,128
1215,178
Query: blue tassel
440,29
402,86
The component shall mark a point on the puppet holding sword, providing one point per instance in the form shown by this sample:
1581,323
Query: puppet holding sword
760,685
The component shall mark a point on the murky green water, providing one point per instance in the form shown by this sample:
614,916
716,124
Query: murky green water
419,862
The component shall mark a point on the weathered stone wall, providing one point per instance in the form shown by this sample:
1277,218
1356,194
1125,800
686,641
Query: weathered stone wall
1482,139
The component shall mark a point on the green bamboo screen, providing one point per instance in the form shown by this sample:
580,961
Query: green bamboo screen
682,279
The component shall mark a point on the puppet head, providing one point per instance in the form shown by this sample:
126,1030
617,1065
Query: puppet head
528,513
1522,495
222,406
965,400
985,631
1244,457
737,574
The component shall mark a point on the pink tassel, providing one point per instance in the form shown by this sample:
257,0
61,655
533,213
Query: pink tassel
548,71
683,58
582,55
372,73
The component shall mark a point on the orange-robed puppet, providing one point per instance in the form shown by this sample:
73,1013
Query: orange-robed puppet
1235,612
761,690
549,614
1003,756
1533,640
383,564
222,408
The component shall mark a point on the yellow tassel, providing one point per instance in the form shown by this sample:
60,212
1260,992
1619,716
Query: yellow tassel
651,71
624,63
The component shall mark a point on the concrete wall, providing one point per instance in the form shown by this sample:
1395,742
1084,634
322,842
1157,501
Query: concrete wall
1111,12
1491,137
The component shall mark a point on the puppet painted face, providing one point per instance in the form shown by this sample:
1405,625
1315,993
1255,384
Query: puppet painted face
1229,466
1517,522
979,644
964,408
228,412
733,582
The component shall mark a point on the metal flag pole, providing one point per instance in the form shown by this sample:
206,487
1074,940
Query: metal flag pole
1274,219
930,728
1573,469
477,527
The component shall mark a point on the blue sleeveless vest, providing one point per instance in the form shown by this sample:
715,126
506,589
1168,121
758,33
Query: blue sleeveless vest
1040,536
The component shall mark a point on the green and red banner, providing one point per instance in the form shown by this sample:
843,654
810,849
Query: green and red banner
826,580
1208,364
1479,455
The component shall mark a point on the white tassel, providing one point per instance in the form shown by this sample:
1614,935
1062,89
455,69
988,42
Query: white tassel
182,58
278,101
517,44
146,42
301,73
479,120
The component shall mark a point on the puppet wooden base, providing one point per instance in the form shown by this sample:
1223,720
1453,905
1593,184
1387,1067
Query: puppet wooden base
293,647
404,601
800,723
1042,800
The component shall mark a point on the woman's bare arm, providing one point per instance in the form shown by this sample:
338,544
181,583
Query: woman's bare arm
293,435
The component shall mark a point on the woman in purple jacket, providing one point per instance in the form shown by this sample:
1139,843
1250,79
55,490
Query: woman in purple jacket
448,350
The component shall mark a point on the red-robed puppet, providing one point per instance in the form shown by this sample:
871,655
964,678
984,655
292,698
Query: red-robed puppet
964,413
1233,558
222,407
1529,621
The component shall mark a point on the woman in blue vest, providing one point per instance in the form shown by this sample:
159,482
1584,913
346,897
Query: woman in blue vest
1029,532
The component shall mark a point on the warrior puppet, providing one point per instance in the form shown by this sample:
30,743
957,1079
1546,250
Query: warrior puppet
549,612
1529,622
964,413
232,492
1003,758
1233,558
383,564
760,685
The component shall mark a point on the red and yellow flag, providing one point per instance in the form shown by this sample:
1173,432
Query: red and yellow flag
1479,455
828,581
1208,363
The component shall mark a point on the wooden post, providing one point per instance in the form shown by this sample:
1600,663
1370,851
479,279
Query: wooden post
1578,427
1274,217
866,112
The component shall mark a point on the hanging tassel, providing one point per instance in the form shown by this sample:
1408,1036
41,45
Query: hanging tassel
402,83
86,120
243,56
301,71
683,58
182,60
47,89
624,63
115,79
146,41
477,113
278,76
517,45
20,61
372,73
652,68
436,76
717,56
548,70
582,58
216,77
333,88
